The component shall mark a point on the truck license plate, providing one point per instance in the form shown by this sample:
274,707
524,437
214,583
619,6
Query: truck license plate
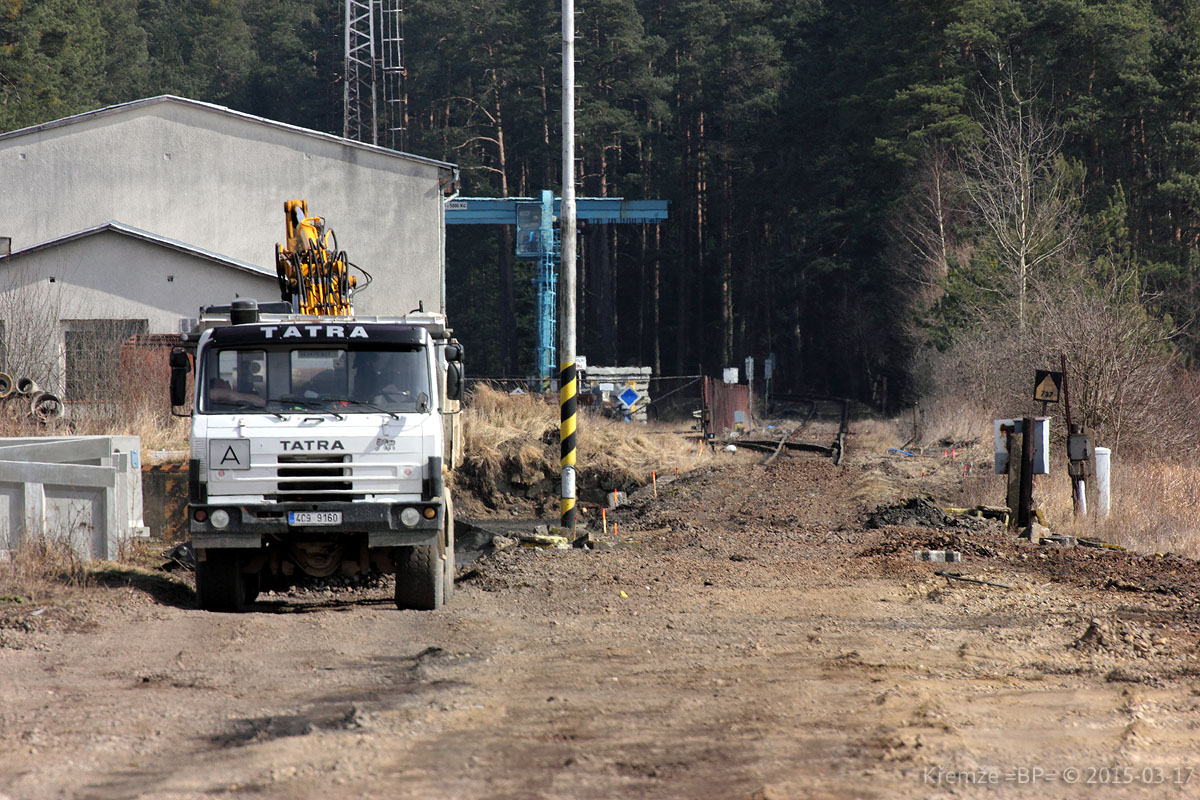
314,518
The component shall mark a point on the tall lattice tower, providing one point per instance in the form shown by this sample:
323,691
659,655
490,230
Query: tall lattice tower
394,73
375,66
361,120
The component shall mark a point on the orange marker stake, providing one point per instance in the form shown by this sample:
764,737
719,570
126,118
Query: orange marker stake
604,519
654,481
677,472
614,528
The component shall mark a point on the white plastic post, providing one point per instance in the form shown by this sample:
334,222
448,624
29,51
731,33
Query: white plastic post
1081,493
1103,482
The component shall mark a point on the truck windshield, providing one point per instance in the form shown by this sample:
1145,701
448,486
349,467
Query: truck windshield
279,380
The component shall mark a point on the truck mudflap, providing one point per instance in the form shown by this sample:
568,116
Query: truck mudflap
385,524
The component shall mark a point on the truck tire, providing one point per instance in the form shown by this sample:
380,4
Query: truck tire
220,583
420,578
448,581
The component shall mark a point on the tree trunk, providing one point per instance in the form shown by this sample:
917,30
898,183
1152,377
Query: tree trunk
605,277
683,277
508,326
726,286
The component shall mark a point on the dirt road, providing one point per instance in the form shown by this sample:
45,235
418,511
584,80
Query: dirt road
750,637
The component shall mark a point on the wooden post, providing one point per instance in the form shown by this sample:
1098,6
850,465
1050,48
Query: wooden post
1013,498
1025,503
1078,488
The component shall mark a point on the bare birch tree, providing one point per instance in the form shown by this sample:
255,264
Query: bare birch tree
922,238
1020,189
30,311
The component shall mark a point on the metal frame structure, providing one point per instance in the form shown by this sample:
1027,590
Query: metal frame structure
374,50
393,72
360,114
546,282
503,211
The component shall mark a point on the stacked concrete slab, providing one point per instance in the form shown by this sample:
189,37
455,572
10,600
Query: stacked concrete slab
85,491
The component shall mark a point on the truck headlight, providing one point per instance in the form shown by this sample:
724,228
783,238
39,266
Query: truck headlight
219,518
410,516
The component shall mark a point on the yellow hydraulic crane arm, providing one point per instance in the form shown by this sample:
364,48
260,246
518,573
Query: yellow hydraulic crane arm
313,274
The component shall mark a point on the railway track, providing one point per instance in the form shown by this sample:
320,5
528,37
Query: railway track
794,441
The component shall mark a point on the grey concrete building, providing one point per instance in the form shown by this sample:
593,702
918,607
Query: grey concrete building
67,304
216,179
125,219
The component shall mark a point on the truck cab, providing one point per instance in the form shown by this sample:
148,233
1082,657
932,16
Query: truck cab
320,446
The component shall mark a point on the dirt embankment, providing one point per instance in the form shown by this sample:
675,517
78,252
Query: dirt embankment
748,636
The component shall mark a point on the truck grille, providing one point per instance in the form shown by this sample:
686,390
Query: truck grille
311,479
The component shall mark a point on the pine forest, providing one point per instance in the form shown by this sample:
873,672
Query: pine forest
897,199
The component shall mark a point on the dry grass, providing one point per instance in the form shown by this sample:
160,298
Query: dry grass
38,573
512,448
628,452
944,422
132,401
1155,504
876,435
155,433
1155,508
158,431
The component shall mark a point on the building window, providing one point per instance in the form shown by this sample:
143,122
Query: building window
93,350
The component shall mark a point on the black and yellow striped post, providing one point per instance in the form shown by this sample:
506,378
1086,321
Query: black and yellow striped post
568,386
568,389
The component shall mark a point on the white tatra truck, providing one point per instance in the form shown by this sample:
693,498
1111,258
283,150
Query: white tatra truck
320,443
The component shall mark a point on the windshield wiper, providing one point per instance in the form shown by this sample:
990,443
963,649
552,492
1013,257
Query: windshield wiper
308,403
373,407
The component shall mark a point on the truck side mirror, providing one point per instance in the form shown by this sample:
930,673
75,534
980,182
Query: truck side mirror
454,381
454,352
181,367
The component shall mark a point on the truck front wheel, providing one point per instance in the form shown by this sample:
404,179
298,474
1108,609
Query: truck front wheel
448,581
420,578
425,574
220,583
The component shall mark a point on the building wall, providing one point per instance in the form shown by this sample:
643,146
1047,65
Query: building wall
218,181
112,276
107,276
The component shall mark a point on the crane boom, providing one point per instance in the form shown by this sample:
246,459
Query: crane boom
314,276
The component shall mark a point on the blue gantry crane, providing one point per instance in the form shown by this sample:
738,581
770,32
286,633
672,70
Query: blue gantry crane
538,238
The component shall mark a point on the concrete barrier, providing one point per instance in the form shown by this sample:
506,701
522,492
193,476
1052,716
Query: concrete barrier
84,490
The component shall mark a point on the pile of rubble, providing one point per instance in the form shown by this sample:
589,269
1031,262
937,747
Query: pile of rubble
1120,638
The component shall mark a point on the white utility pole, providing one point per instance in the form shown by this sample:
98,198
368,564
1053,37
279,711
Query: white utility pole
566,278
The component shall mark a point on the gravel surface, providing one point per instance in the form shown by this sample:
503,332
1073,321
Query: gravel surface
755,632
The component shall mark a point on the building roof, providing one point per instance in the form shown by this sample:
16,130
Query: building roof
123,108
145,236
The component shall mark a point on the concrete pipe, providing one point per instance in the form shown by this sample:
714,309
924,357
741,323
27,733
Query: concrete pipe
45,407
6,385
26,386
